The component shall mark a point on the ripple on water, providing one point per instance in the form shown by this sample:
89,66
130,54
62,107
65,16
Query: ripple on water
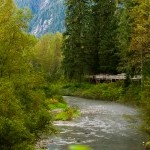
102,125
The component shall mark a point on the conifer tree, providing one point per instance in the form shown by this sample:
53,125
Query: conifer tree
124,38
105,35
90,43
74,49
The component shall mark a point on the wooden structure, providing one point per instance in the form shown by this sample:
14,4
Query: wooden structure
110,78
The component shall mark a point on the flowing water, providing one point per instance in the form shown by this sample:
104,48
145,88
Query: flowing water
102,125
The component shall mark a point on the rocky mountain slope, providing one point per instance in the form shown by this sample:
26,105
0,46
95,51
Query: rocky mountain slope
48,15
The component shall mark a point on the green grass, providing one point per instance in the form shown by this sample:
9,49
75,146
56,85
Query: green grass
105,91
55,103
60,109
67,114
115,91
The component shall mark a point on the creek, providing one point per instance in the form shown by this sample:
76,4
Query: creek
102,125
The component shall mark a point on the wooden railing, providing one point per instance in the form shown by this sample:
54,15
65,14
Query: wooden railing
105,77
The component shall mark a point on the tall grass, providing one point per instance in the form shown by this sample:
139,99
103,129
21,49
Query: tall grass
103,91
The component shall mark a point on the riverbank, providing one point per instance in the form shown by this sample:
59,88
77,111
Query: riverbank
102,125
115,91
60,110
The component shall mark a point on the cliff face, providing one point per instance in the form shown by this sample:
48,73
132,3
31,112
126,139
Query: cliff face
48,15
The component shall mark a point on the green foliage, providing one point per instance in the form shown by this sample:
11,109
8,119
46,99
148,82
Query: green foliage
70,88
77,45
54,88
134,43
124,36
115,91
132,94
90,43
146,105
90,46
14,134
21,121
133,36
47,56
55,103
23,115
140,38
104,91
67,114
105,35
60,109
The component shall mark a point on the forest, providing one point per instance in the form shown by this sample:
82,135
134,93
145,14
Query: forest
101,37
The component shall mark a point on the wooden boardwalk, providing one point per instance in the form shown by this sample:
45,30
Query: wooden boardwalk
111,78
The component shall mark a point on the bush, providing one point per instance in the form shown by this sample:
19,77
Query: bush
67,114
13,134
104,91
72,89
132,94
146,105
23,116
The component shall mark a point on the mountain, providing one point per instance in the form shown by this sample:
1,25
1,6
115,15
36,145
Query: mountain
48,15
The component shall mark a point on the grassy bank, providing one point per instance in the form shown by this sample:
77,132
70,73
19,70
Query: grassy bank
60,109
115,91
56,104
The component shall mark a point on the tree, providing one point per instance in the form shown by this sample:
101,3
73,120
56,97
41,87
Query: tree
140,37
23,116
12,39
48,56
105,35
134,36
74,48
124,38
90,43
